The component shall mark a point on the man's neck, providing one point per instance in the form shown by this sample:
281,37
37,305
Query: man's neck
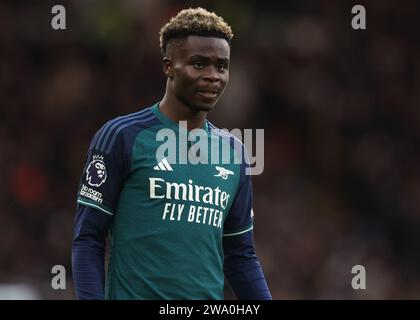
177,111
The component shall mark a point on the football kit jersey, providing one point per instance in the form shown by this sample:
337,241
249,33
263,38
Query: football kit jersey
169,215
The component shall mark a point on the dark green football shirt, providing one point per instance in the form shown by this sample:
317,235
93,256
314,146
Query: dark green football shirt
169,215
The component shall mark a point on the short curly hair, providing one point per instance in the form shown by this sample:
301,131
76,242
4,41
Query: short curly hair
196,21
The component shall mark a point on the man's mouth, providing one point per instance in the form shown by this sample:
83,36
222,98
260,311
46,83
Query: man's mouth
209,93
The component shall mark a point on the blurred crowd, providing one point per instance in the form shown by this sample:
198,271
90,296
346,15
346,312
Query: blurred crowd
340,109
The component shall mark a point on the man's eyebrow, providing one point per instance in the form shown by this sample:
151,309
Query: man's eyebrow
202,57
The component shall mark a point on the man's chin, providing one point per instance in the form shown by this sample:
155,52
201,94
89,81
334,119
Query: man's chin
204,107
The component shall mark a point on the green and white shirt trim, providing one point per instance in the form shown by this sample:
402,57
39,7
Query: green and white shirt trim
249,228
95,206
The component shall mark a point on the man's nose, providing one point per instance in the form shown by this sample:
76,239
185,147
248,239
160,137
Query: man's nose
211,74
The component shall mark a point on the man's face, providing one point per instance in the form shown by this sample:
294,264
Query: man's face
199,71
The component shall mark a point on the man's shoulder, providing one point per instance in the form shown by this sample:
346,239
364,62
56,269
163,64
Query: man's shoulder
125,126
143,116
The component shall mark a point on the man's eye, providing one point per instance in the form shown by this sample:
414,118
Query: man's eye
221,67
198,65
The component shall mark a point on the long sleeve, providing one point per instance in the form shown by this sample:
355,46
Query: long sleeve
241,265
243,269
99,189
88,252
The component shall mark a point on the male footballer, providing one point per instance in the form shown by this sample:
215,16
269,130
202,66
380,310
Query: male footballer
175,229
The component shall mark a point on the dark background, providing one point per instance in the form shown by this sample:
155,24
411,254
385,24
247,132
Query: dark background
340,109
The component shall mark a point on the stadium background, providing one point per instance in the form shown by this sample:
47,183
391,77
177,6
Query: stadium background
340,109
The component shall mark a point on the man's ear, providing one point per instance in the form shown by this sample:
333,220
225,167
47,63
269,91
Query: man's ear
167,67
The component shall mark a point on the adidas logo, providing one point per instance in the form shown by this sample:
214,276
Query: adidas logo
163,165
